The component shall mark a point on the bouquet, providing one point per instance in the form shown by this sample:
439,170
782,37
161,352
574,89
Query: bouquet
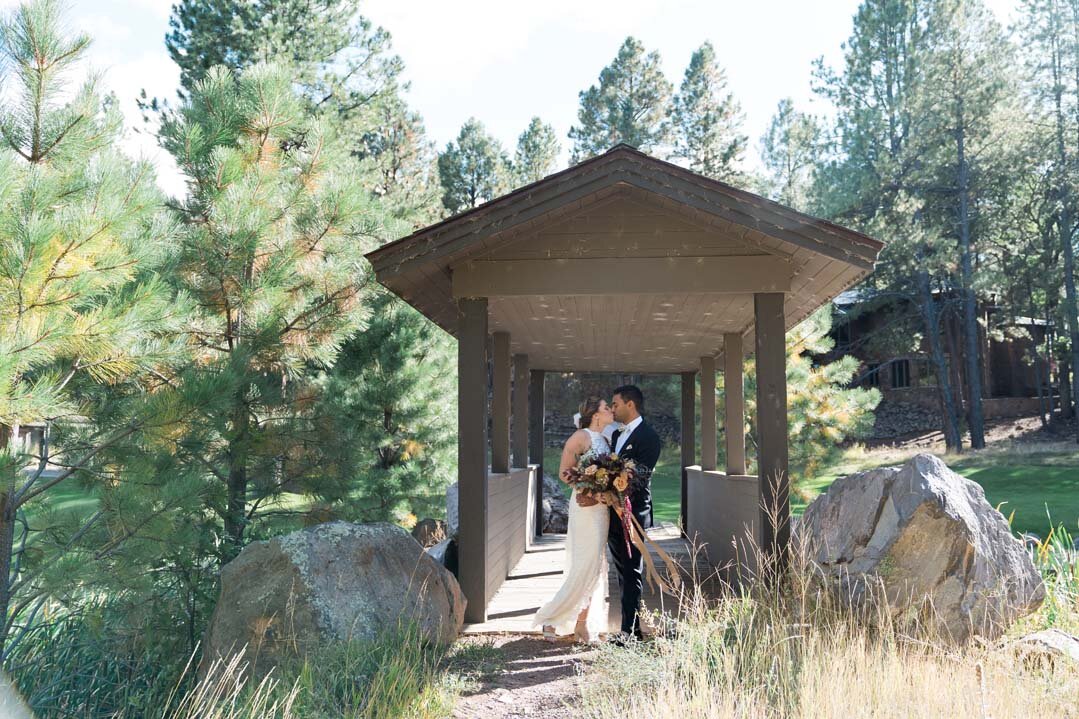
610,479
606,478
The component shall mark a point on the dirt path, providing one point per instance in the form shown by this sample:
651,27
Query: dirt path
519,676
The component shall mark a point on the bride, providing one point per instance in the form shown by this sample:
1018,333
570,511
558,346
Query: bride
579,602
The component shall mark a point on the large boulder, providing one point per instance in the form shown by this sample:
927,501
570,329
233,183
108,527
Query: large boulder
555,506
928,538
332,582
1047,646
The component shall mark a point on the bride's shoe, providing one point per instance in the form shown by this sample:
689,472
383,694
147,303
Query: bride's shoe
549,633
581,633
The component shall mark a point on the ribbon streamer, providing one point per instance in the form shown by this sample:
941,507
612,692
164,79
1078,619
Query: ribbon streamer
642,541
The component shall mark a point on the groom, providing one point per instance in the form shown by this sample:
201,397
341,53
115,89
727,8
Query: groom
635,440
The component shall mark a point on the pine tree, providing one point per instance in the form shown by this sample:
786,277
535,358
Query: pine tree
537,152
1049,33
790,150
473,170
80,235
823,410
870,181
405,176
391,396
272,253
336,54
965,100
706,120
342,67
628,105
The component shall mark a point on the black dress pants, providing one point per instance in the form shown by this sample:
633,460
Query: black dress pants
630,569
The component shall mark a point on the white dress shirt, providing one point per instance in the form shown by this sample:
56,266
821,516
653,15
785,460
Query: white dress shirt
626,432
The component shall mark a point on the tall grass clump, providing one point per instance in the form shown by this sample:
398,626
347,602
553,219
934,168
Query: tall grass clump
68,667
1057,558
82,662
797,649
399,675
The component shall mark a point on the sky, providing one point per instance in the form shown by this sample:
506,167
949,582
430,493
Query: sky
505,62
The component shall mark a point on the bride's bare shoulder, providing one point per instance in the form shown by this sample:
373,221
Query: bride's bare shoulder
579,438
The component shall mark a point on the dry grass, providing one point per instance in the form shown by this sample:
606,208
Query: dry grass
398,676
225,692
801,652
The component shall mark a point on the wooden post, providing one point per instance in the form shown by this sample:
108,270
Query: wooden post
500,404
519,436
708,413
472,456
689,440
771,363
734,403
535,437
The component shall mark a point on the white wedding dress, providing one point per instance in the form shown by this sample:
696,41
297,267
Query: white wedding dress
585,576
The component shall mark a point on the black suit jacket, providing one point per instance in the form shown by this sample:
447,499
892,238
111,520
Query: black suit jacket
643,446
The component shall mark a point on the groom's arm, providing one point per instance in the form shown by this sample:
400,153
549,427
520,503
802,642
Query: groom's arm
651,452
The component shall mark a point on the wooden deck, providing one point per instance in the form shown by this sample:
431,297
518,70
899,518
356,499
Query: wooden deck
538,575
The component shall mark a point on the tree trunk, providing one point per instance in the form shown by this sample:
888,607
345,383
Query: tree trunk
8,508
1041,374
236,507
7,544
930,313
1071,304
972,355
1067,409
1071,313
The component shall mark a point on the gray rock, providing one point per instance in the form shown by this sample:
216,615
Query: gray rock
452,512
445,553
332,582
927,537
429,532
555,506
1046,645
437,552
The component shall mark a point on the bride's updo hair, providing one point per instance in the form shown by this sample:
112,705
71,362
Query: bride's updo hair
588,410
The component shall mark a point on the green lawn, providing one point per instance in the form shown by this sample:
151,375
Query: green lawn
1034,485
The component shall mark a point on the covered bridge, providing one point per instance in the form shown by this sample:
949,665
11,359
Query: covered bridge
622,263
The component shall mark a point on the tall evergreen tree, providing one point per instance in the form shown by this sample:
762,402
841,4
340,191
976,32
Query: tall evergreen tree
272,253
80,230
965,99
473,170
628,105
405,176
706,120
537,152
337,55
390,398
871,180
790,151
343,68
1049,34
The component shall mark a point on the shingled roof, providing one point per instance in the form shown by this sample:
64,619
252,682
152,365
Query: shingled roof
692,217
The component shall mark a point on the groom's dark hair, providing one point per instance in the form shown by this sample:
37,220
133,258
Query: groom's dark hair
631,393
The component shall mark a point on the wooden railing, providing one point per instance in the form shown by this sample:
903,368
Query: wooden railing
510,522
